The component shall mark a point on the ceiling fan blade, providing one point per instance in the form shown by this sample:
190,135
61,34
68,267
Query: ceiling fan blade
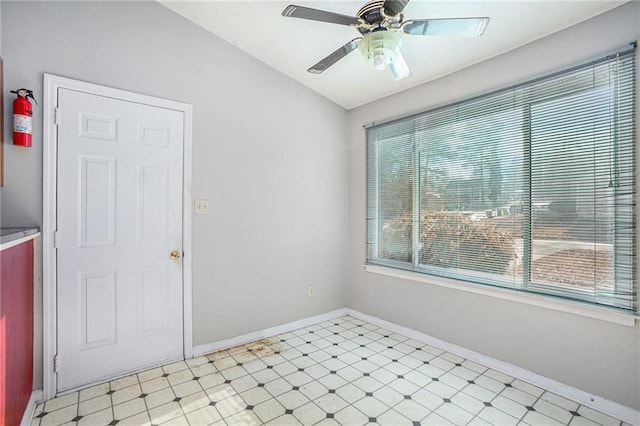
394,7
399,68
302,12
455,27
335,56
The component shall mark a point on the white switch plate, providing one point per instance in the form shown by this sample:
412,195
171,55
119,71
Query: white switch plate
201,207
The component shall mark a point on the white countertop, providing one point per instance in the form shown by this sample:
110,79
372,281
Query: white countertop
11,237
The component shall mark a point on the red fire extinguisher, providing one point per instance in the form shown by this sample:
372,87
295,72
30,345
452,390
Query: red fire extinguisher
22,117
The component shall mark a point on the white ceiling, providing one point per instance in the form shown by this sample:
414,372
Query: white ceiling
292,45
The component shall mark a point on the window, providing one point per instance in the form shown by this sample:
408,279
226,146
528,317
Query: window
531,188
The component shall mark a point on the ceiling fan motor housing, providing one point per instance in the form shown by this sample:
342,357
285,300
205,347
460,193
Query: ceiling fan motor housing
372,14
380,48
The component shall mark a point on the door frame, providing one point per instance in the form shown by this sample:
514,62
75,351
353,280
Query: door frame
49,206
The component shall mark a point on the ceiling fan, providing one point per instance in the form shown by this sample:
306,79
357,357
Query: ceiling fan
381,23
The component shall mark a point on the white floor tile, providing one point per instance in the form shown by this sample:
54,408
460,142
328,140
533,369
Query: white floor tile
176,366
309,414
553,411
435,419
60,416
367,384
220,392
418,378
468,403
245,418
313,390
61,402
285,420
509,407
350,393
244,383
154,385
178,421
497,417
332,381
597,417
403,386
351,416
370,406
204,416
203,370
456,382
292,399
392,417
519,396
480,393
262,376
141,419
255,396
331,403
582,421
159,398
126,394
94,391
269,410
129,408
230,406
339,372
489,383
125,382
101,417
535,418
388,396
278,387
442,389
427,399
194,402
92,405
559,401
187,388
454,414
165,412
412,410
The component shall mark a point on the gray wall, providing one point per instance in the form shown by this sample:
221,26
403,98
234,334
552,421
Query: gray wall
272,157
268,153
595,356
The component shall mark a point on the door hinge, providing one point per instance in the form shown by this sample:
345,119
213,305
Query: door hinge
56,367
56,116
55,239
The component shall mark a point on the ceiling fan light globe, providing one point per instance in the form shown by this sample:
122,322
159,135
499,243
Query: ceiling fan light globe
379,61
380,48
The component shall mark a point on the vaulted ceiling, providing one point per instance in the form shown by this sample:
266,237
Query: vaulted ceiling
292,45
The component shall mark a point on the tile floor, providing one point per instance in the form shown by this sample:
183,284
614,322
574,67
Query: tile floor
339,372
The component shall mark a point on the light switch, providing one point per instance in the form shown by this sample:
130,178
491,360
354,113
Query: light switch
201,207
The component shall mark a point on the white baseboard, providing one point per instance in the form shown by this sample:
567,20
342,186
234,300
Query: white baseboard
34,399
268,332
611,408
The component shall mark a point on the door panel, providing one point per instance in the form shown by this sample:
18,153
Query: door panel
119,293
98,309
97,200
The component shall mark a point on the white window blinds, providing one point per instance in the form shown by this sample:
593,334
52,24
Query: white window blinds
530,188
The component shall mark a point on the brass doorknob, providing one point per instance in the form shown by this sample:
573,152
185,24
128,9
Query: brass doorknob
175,255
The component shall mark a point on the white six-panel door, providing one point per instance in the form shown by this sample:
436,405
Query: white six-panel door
119,186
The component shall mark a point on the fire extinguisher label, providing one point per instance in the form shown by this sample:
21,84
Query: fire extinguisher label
22,123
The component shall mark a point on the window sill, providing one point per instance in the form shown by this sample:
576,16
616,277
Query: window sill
599,313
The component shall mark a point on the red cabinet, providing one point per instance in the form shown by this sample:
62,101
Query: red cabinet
16,331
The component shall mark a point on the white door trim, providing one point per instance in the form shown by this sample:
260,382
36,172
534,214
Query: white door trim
49,202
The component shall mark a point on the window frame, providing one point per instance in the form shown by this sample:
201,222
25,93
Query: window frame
527,288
